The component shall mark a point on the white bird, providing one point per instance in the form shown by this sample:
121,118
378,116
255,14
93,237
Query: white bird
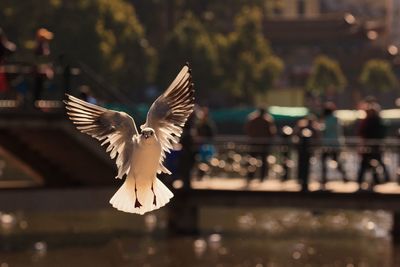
139,156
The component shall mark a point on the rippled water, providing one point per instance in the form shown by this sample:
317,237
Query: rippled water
229,237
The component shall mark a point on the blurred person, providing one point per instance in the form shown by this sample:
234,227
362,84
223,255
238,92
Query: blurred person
286,133
332,134
205,126
43,38
85,93
65,66
187,157
22,87
44,70
307,131
6,49
260,128
205,130
372,131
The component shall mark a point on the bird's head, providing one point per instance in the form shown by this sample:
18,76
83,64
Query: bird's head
147,133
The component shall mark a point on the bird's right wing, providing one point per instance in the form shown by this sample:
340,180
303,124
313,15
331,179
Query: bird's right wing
169,112
113,127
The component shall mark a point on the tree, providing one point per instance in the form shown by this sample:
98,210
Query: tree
160,16
190,42
105,35
248,62
377,74
326,74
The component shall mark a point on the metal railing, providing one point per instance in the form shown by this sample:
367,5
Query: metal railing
66,78
304,160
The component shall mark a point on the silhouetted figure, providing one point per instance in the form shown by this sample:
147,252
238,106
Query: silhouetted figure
187,154
44,69
205,131
307,131
66,73
371,131
205,127
43,38
331,133
21,85
260,128
85,93
6,49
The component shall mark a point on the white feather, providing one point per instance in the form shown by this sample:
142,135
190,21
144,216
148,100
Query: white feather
124,199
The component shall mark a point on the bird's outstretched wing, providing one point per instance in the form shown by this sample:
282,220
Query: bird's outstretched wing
113,127
168,114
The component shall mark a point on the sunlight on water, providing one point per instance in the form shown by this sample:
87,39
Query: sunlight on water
256,238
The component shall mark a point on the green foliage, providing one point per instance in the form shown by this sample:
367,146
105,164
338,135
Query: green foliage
326,73
190,42
217,16
248,63
240,62
378,75
106,35
226,47
270,69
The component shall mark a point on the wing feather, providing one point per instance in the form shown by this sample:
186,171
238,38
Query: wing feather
168,114
117,129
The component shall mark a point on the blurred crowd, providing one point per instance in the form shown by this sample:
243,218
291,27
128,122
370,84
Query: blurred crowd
42,69
29,82
326,131
317,135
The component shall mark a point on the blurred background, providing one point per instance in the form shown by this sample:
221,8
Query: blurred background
291,157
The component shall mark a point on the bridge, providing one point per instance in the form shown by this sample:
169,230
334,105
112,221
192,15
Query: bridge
72,172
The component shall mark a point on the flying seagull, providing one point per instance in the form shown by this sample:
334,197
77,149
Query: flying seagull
139,156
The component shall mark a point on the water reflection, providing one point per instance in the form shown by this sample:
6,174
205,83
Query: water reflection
200,246
253,238
39,251
276,222
150,222
7,221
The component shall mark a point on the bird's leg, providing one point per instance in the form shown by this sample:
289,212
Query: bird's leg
137,203
154,199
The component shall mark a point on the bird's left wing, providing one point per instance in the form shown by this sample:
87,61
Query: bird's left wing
168,114
113,127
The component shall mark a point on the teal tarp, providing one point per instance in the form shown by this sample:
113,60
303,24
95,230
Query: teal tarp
235,115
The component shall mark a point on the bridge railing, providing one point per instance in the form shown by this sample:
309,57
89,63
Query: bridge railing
44,85
295,158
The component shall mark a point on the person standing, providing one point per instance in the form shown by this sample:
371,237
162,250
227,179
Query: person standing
205,130
187,156
307,131
331,133
6,48
44,70
371,131
260,128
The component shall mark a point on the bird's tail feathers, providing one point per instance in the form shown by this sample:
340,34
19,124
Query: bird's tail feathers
145,198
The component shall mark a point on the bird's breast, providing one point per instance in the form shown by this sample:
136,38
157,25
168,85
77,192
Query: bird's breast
146,158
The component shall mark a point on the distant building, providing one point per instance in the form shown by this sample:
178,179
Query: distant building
351,31
394,20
